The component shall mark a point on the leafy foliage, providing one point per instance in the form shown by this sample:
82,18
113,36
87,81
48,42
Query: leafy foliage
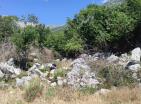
31,18
106,27
7,27
22,39
116,76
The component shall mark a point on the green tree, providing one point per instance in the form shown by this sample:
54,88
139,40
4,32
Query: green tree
23,39
56,41
7,27
32,18
43,32
107,27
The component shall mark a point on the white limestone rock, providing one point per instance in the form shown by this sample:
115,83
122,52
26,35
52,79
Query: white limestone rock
136,54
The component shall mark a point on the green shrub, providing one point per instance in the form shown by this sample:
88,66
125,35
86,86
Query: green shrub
22,39
88,90
59,73
107,27
44,70
22,74
56,41
116,76
33,89
7,27
50,92
64,44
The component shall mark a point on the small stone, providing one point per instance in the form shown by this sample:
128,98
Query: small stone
57,60
53,84
102,91
112,58
35,60
60,82
48,82
10,62
65,81
19,82
42,67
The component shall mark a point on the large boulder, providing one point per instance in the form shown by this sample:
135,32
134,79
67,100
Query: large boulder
9,70
113,58
23,81
10,62
35,71
133,66
60,81
136,54
81,75
134,63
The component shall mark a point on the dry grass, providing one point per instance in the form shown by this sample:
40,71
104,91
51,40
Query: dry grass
64,64
69,96
44,55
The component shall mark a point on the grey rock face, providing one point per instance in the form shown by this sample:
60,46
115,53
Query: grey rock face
23,81
10,62
136,54
134,63
80,75
35,70
19,82
135,67
113,58
10,70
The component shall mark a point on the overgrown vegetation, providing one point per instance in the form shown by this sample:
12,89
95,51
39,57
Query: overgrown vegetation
106,27
33,89
116,76
59,73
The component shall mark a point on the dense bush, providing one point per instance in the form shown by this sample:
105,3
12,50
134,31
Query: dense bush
107,27
56,41
7,27
22,39
33,90
116,76
43,33
64,44
74,44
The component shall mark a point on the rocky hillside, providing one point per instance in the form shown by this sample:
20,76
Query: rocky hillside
82,72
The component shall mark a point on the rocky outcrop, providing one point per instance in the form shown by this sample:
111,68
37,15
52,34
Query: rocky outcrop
23,81
136,54
113,58
134,63
81,75
9,69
